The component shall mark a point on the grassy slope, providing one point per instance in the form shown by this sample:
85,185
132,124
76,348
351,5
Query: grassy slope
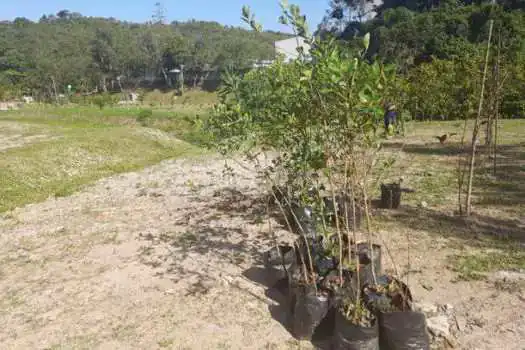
84,144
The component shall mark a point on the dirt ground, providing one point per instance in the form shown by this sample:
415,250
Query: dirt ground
169,257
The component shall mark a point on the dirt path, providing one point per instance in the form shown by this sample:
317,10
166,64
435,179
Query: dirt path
164,258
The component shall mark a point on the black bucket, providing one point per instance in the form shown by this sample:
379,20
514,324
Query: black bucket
403,330
309,311
348,336
390,196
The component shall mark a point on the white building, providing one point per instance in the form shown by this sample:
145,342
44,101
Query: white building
288,47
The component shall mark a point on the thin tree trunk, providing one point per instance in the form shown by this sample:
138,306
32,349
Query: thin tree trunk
104,87
497,105
461,169
496,119
54,89
166,77
120,84
195,80
476,124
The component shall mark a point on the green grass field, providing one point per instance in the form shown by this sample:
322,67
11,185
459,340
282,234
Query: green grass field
78,145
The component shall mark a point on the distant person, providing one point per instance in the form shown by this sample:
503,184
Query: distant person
390,119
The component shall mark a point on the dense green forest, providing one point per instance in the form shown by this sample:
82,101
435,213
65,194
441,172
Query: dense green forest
450,38
42,58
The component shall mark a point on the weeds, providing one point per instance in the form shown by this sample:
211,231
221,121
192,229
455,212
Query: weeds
477,266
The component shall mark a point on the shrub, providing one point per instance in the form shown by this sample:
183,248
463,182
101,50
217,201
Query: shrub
321,117
102,100
143,116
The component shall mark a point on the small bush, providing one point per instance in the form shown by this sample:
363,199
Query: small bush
99,101
102,100
143,116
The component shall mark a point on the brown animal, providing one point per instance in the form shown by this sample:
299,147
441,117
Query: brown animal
444,137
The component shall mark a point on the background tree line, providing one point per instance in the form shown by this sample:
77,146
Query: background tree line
438,46
98,54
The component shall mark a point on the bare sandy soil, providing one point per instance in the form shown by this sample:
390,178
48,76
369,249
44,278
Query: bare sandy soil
169,257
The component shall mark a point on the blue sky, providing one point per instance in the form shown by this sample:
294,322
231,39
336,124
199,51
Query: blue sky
222,11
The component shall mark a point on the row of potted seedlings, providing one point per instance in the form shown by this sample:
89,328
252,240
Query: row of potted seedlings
343,286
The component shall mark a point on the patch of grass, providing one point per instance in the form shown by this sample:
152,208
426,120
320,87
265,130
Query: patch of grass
510,130
476,266
194,98
183,123
85,144
436,185
165,343
80,156
143,116
187,239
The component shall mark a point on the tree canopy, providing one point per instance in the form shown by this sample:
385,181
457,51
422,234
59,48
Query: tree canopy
44,57
411,32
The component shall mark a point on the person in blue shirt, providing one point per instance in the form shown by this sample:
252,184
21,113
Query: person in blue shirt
390,119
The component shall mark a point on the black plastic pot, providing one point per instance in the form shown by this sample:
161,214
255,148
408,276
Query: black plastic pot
399,298
309,311
390,196
277,256
403,331
348,336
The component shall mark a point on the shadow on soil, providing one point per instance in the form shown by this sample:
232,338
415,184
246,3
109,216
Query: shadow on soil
477,230
226,227
233,204
428,149
219,228
276,288
506,185
492,190
515,151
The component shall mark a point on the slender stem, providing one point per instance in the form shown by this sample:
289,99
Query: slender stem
495,141
354,234
338,228
303,235
369,231
476,122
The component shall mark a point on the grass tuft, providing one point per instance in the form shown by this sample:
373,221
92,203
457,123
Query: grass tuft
477,266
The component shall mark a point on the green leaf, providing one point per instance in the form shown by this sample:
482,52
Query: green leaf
363,97
246,12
